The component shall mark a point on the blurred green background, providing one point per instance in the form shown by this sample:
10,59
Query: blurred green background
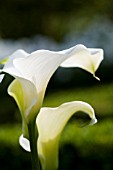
56,25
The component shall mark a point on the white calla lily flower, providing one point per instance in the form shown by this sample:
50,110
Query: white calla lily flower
50,124
32,73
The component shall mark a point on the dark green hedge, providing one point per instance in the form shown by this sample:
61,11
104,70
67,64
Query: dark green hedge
21,18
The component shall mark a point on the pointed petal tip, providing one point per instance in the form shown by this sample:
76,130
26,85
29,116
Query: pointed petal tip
93,121
24,143
97,78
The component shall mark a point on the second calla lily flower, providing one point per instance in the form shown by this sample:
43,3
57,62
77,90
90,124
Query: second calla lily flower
50,123
32,73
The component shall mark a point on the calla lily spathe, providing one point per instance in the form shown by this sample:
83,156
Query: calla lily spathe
32,73
50,123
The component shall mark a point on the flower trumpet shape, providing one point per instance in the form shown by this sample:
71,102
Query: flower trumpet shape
50,123
32,73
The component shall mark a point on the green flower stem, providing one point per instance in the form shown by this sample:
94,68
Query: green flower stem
33,134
